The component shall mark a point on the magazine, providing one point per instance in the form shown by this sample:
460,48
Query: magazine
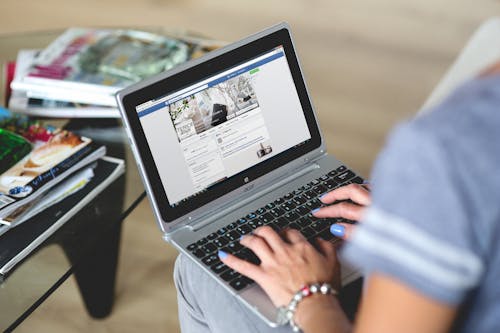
67,187
20,241
91,65
35,158
21,103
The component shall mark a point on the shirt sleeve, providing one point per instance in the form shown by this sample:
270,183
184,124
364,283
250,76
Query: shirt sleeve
417,229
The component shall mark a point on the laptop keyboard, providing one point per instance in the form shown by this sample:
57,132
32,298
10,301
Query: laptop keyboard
293,210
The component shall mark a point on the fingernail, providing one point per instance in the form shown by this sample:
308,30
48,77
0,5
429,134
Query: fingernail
322,196
337,230
222,254
315,210
241,238
366,182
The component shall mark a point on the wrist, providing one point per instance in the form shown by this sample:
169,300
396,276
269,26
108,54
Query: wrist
312,309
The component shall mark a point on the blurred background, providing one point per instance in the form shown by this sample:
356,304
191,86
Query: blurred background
368,63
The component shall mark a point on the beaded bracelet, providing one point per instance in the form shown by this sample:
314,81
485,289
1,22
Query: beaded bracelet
286,313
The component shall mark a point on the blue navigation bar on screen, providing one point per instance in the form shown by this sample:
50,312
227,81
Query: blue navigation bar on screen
214,82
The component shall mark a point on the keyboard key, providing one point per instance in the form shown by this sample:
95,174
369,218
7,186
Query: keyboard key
231,226
221,242
230,275
303,210
299,200
320,189
294,225
211,260
244,229
310,195
277,212
191,247
266,218
219,267
288,196
261,211
233,235
238,283
221,231
324,178
303,222
234,247
281,222
278,201
270,205
251,216
326,235
341,168
307,232
242,220
199,253
358,180
345,176
288,206
332,173
292,216
209,248
330,184
212,236
202,241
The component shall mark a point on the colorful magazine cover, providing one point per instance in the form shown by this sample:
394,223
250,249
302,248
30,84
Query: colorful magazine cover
99,62
35,158
21,103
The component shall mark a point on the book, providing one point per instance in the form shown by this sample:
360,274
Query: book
35,158
90,65
20,102
19,242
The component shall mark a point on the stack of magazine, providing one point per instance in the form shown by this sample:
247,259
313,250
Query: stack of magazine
41,166
78,74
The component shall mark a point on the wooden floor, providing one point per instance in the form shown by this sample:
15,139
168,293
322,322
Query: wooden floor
368,65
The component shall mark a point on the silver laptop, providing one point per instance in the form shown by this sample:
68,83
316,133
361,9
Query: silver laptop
230,142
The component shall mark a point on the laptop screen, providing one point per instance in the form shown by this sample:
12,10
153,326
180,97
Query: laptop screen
218,127
213,125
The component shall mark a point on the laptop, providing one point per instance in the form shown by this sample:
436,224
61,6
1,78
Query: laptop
230,142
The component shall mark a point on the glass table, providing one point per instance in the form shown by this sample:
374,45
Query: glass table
87,245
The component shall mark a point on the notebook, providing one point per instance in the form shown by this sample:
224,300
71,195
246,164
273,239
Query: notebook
230,142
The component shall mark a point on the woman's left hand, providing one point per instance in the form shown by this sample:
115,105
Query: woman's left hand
287,263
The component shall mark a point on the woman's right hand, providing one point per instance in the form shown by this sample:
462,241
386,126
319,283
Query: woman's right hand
348,202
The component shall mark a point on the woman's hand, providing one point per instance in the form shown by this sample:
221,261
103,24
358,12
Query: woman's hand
287,263
353,200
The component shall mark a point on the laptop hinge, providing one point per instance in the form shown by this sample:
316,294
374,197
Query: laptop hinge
196,225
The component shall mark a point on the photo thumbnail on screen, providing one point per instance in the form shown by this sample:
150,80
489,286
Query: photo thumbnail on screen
213,106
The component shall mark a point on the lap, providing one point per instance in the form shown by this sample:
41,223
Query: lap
204,305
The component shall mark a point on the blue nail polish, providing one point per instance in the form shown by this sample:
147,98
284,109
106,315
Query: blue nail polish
337,230
322,196
366,182
241,238
222,254
315,210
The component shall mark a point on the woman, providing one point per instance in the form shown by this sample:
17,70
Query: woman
428,241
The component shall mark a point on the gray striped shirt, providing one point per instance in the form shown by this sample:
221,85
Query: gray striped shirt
435,219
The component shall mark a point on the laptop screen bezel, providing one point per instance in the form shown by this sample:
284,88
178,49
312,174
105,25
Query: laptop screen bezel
199,72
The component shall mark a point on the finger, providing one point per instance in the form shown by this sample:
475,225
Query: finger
342,230
355,192
326,248
258,245
244,267
293,236
271,237
344,209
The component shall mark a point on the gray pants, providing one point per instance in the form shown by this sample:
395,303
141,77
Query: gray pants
204,306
